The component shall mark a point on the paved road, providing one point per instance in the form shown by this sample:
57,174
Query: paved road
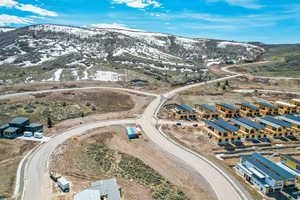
37,185
224,187
37,182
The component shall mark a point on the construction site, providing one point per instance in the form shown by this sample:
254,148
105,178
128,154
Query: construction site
243,122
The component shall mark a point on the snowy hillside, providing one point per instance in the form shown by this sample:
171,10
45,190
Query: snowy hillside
5,29
67,47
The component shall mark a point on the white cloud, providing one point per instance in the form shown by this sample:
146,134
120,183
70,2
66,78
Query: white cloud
36,10
8,3
11,19
27,8
138,3
242,3
113,26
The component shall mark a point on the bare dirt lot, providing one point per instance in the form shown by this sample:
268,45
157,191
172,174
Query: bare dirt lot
151,168
12,152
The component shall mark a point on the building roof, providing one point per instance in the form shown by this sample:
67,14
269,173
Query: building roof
34,125
207,107
210,124
293,117
251,123
272,166
105,187
266,171
288,120
130,131
4,126
226,125
296,100
19,120
292,171
285,104
11,130
267,122
249,106
240,123
277,121
265,104
291,158
186,108
228,106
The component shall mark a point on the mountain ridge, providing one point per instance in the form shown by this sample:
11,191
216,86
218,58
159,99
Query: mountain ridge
57,46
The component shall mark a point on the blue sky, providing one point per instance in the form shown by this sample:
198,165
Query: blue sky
269,21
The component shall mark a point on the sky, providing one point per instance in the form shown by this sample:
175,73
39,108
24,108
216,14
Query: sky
268,21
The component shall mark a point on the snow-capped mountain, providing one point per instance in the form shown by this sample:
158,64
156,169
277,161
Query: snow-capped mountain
61,47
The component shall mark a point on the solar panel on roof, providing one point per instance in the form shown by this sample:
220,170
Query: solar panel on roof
267,105
186,108
267,122
275,168
288,120
261,167
250,106
291,158
226,125
277,121
293,117
251,123
240,123
208,107
230,107
215,126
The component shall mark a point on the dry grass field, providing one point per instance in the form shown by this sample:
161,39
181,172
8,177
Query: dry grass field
136,164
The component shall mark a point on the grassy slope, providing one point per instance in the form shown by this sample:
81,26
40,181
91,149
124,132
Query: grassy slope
286,61
104,161
62,106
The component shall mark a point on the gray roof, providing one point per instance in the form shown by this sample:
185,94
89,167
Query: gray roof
11,130
5,126
19,120
105,187
33,125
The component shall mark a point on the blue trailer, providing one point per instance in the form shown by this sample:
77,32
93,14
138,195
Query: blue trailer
131,133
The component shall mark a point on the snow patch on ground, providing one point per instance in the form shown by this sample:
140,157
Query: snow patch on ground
107,76
56,75
6,29
225,44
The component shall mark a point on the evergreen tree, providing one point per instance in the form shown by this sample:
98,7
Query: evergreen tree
49,122
227,83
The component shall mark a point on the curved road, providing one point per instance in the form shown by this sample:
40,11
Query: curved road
37,183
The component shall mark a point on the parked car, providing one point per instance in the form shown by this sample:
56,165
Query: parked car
178,124
28,134
38,135
63,184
